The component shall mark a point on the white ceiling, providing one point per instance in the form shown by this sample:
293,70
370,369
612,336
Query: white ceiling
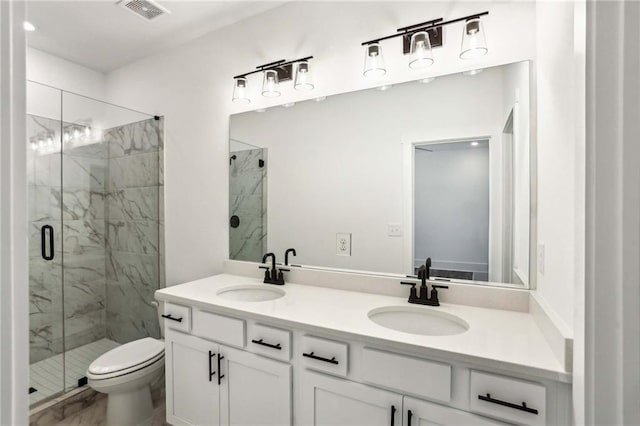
104,36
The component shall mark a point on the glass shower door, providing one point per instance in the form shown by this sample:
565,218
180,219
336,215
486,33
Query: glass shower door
44,164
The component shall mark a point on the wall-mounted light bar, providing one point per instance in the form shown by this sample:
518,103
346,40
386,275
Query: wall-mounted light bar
419,39
273,74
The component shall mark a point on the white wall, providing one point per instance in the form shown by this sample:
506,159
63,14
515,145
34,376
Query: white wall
557,93
452,207
192,86
337,166
14,284
57,72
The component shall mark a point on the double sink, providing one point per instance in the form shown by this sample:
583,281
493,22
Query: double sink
418,320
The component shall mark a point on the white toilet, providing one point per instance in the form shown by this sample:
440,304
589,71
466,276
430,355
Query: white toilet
125,375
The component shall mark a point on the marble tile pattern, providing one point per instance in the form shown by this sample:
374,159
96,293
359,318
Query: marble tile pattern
247,200
105,202
133,229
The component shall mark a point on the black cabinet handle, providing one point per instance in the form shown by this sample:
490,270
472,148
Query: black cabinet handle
211,373
168,316
333,360
43,242
269,345
220,376
393,415
409,415
522,407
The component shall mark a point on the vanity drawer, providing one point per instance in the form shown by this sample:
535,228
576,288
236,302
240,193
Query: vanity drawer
177,317
505,398
269,341
227,330
406,374
324,355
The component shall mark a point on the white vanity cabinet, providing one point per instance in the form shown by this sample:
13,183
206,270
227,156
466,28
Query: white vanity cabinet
225,370
212,384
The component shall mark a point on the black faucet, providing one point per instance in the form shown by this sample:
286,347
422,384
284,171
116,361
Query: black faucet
273,276
424,298
286,255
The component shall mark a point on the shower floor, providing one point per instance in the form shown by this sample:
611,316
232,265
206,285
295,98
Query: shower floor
46,376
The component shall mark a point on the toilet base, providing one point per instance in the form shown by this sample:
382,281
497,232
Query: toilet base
133,408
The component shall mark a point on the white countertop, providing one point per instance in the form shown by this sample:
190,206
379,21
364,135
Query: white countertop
499,339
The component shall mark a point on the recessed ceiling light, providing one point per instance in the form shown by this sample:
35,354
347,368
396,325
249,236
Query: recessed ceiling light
473,72
28,26
385,87
320,99
289,105
474,143
261,110
427,80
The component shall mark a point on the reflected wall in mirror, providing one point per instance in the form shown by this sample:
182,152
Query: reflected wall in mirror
439,170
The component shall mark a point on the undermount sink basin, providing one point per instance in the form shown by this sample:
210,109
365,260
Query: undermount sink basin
418,320
251,293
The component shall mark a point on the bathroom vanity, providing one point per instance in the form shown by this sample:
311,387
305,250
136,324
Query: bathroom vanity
240,352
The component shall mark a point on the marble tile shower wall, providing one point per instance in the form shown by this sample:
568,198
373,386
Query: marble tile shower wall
247,192
104,202
134,240
66,192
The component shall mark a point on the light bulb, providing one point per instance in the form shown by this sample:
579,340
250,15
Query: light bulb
270,85
474,43
304,80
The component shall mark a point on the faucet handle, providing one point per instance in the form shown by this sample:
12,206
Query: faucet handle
408,283
439,286
413,294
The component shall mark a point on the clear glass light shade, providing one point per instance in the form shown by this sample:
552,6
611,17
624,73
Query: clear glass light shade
474,43
374,61
240,91
420,55
270,84
304,78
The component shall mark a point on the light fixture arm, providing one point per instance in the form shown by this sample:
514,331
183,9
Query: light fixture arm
424,26
273,65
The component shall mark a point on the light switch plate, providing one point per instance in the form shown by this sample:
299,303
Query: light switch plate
343,244
394,230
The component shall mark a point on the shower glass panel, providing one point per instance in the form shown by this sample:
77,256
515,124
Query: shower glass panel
99,188
44,177
248,208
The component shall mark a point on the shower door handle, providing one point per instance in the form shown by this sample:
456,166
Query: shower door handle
46,231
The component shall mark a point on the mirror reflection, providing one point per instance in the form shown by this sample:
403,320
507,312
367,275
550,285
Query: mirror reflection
380,180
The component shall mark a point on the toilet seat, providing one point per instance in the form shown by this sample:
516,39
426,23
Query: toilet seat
126,359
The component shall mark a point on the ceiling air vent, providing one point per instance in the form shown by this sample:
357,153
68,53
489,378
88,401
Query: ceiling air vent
146,9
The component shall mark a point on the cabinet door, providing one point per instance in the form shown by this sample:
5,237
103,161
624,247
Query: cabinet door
422,413
331,401
254,390
192,381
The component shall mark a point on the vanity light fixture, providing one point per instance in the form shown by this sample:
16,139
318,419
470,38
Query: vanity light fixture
374,61
240,94
421,55
274,73
474,44
419,39
304,79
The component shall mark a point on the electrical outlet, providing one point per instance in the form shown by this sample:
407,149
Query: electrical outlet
541,258
343,244
394,230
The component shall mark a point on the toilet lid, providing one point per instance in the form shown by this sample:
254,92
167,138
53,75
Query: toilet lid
127,356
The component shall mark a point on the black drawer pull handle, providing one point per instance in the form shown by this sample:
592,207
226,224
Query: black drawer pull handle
269,345
211,373
168,316
220,376
393,415
409,415
333,360
522,407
